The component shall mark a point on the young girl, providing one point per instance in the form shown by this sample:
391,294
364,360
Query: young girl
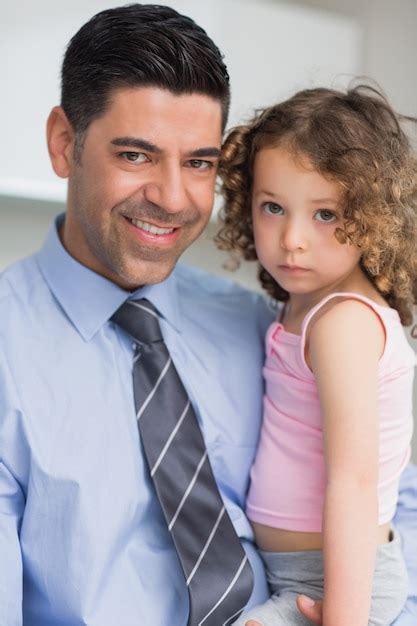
322,190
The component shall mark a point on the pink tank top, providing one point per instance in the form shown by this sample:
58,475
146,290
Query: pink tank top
288,476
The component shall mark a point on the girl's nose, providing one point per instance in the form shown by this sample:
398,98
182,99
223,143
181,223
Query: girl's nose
294,237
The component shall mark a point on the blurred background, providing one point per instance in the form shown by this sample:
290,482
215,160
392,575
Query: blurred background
272,48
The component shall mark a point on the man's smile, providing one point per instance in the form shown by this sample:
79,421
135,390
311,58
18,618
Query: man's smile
151,228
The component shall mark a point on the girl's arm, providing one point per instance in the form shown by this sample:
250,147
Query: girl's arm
345,345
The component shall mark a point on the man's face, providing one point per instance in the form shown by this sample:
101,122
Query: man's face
143,189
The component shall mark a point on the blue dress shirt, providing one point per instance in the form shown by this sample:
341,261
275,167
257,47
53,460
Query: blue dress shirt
79,519
83,541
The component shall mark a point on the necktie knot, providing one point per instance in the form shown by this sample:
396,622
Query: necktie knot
140,319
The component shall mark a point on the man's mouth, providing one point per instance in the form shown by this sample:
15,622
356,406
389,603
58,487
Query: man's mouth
151,228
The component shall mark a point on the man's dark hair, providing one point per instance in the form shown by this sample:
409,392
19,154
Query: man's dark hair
138,45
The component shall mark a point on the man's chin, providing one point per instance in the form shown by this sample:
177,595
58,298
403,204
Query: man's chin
149,273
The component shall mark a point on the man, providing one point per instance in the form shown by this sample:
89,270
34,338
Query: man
89,533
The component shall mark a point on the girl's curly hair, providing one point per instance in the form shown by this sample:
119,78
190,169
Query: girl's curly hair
355,139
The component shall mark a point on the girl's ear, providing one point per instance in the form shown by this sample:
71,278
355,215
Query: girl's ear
60,140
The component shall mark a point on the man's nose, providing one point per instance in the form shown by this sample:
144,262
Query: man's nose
167,189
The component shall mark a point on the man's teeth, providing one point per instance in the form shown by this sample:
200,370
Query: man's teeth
154,230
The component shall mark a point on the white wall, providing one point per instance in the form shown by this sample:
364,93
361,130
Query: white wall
389,49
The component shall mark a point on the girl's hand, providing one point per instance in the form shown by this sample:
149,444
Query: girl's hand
311,609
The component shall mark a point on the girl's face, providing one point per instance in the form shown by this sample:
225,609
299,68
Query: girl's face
295,214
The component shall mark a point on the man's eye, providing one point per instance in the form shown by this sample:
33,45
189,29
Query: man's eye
271,208
325,216
200,164
134,157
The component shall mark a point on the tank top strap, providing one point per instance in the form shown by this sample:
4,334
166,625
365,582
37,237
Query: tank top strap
346,295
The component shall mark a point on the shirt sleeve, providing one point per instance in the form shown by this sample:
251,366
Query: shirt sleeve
405,521
11,508
12,503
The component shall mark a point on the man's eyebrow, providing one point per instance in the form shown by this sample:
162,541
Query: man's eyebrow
136,142
142,144
204,152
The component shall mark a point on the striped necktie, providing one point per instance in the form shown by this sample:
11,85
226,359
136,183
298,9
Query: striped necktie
218,575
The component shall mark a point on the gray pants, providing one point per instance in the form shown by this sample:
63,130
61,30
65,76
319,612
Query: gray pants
292,573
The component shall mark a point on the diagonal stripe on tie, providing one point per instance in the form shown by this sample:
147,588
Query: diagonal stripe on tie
217,573
174,432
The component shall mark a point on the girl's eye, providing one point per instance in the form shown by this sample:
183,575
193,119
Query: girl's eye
134,157
325,216
271,208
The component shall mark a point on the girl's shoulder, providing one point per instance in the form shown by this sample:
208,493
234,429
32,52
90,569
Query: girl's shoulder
346,320
350,308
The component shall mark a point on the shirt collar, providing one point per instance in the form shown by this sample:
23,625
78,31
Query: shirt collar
88,299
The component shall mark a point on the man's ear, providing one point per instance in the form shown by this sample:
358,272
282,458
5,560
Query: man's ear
60,139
